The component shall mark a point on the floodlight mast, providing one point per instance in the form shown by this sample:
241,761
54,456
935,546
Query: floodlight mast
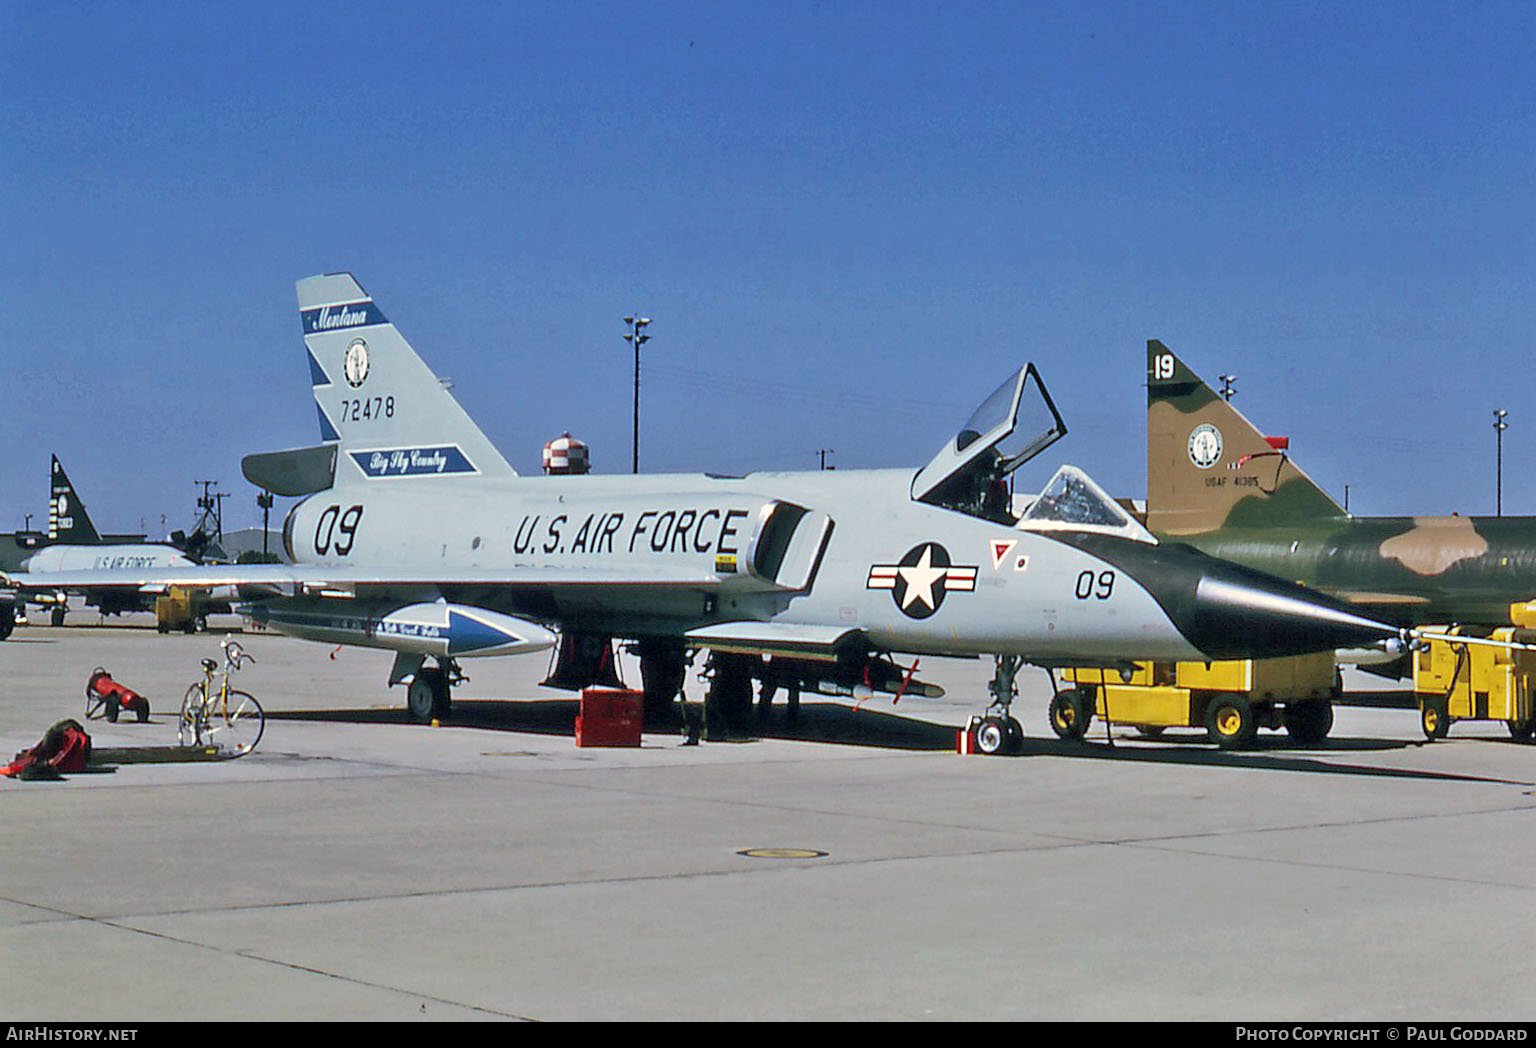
1499,426
637,338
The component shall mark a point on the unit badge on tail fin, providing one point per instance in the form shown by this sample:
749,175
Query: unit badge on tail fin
390,415
1208,467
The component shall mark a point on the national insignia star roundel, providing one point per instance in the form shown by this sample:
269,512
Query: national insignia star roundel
921,579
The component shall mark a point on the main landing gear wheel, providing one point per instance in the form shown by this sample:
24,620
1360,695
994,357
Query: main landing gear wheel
1071,712
996,735
662,668
428,696
728,714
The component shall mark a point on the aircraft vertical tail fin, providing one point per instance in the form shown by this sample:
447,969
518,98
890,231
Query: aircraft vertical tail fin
388,414
1208,467
67,520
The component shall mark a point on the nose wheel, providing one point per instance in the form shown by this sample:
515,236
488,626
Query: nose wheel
998,732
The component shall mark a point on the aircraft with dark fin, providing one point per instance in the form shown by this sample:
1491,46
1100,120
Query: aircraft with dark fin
73,543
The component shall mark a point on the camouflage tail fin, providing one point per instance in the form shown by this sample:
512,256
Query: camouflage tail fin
67,519
1208,467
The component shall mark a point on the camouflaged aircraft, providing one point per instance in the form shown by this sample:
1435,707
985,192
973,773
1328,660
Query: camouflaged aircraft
418,537
1215,482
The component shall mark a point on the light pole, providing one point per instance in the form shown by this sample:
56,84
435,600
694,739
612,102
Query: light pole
637,338
1228,386
264,500
1499,426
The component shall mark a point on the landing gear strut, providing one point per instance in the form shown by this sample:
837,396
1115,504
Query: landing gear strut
728,702
662,668
998,731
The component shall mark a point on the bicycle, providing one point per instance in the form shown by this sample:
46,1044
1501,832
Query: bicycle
214,714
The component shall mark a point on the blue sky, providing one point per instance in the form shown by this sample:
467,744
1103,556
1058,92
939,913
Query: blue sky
848,222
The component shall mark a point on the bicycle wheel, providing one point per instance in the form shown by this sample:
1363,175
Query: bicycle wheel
189,726
235,725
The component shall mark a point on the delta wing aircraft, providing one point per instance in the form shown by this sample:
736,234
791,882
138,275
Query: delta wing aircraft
418,537
74,544
1215,482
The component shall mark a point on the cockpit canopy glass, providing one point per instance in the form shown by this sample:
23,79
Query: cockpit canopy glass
989,414
1073,502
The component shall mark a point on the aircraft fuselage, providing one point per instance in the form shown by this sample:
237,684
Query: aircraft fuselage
1414,569
913,577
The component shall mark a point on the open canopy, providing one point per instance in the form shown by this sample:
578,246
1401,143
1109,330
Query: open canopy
1012,426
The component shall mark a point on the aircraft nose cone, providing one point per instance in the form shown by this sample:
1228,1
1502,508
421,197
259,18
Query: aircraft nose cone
1228,611
1242,614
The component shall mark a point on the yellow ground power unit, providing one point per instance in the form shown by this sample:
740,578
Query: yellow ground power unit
179,608
1476,682
1230,700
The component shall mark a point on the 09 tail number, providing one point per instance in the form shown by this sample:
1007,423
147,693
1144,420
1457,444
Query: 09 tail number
336,530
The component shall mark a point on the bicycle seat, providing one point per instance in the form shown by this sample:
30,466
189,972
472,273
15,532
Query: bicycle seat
210,665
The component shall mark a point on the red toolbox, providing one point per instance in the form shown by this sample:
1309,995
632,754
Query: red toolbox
609,717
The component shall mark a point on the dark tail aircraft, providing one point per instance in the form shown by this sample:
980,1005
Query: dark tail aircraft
75,544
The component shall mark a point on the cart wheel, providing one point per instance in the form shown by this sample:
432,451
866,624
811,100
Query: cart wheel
1434,718
1071,713
1309,721
1230,723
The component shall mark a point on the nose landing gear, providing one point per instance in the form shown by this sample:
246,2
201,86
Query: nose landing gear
997,731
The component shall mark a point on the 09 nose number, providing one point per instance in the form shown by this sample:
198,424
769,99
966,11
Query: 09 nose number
1097,586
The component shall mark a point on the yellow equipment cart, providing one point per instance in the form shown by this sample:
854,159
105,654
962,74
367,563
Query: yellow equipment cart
181,608
1476,682
1230,700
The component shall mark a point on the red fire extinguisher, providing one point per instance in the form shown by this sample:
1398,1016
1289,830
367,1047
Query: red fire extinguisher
105,697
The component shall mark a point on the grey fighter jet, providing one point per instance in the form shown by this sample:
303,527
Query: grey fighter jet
73,543
418,537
